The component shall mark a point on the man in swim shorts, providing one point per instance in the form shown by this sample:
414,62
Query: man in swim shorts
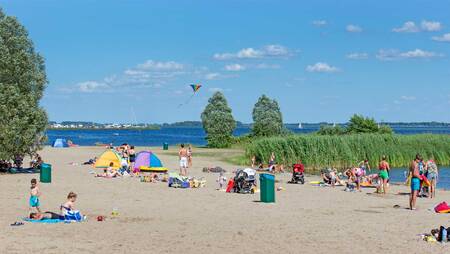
415,181
183,156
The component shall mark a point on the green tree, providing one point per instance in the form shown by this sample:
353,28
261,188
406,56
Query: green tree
218,122
267,118
22,83
331,130
361,124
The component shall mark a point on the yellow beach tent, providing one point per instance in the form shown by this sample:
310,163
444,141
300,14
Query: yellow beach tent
106,158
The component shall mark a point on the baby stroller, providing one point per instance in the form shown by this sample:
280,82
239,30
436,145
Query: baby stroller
244,181
298,174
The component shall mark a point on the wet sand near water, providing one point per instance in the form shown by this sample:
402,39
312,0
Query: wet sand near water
156,219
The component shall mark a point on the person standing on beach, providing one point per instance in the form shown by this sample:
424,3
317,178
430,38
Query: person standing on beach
415,181
383,175
432,175
364,165
183,156
189,154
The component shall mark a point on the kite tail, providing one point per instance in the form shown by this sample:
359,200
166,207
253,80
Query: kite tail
187,101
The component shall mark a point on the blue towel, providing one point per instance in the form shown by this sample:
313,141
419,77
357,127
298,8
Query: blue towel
46,221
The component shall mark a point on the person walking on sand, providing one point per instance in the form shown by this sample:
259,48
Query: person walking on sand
415,181
432,175
183,156
383,175
34,196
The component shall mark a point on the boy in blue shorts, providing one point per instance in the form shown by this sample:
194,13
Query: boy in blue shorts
34,196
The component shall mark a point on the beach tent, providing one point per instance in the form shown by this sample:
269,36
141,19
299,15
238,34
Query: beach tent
60,142
106,158
148,161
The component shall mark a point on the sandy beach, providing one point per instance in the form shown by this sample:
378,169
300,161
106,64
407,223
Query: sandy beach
156,219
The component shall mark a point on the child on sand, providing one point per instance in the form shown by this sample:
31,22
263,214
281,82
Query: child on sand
34,196
221,180
68,208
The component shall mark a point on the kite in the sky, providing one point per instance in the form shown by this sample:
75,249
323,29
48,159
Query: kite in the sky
195,88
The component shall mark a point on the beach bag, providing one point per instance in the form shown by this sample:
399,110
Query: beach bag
73,216
230,185
442,208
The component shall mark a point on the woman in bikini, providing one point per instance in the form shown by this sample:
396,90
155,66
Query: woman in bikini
383,175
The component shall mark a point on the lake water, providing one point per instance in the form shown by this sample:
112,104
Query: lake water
195,136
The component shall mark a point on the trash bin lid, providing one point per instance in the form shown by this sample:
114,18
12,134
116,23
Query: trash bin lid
267,176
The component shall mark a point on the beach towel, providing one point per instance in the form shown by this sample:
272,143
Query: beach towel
45,221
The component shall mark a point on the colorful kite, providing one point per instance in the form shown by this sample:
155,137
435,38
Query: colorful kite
196,87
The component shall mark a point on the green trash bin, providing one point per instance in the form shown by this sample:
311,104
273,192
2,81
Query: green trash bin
46,173
165,146
267,188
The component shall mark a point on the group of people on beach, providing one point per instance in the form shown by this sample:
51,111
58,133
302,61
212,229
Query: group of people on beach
35,163
127,160
422,176
272,166
67,209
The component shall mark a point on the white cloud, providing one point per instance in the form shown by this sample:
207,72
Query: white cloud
91,86
408,98
267,66
274,51
212,76
152,74
443,38
357,56
319,23
431,26
215,89
321,67
418,53
408,27
353,28
235,67
393,54
151,65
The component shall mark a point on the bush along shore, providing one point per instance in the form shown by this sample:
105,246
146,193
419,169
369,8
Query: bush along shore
321,151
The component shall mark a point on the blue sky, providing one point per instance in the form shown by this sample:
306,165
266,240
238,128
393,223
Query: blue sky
108,61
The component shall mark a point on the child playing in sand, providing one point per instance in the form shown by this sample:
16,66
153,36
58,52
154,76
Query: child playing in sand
34,196
221,180
68,208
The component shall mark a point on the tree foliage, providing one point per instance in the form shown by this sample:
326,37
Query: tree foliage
331,130
22,83
218,122
361,124
267,118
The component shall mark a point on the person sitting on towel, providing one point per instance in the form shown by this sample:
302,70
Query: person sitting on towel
68,208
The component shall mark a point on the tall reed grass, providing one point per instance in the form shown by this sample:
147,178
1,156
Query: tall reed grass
318,152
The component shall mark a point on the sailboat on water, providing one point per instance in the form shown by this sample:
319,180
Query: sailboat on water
300,126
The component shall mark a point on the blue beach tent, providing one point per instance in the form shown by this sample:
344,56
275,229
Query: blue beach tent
60,142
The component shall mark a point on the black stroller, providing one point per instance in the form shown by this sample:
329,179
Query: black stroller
244,181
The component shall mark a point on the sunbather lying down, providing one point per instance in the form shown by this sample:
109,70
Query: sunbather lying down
46,215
